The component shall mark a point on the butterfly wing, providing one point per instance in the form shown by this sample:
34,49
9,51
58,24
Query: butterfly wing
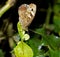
26,14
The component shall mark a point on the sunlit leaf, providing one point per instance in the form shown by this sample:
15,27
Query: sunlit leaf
23,50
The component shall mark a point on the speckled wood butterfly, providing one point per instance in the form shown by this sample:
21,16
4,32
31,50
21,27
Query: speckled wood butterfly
26,14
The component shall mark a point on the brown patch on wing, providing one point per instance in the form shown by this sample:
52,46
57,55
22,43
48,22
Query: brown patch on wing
22,8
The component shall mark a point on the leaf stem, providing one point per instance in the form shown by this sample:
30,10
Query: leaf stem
48,16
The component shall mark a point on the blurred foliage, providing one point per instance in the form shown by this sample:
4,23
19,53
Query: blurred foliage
58,1
44,41
1,53
57,9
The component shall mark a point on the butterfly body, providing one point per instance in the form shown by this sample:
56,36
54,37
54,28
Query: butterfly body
26,14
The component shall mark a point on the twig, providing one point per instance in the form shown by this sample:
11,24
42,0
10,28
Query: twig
6,7
48,15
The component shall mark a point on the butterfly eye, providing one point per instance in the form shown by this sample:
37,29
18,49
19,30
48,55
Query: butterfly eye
31,9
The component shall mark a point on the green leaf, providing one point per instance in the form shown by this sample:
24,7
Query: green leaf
40,31
53,41
35,43
23,50
58,1
56,22
2,53
54,53
56,8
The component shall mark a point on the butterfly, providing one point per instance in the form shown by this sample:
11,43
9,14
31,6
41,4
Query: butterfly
26,14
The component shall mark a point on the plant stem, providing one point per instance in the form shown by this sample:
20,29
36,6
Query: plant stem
48,16
7,6
4,9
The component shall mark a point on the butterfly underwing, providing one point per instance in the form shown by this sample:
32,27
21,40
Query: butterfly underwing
26,14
